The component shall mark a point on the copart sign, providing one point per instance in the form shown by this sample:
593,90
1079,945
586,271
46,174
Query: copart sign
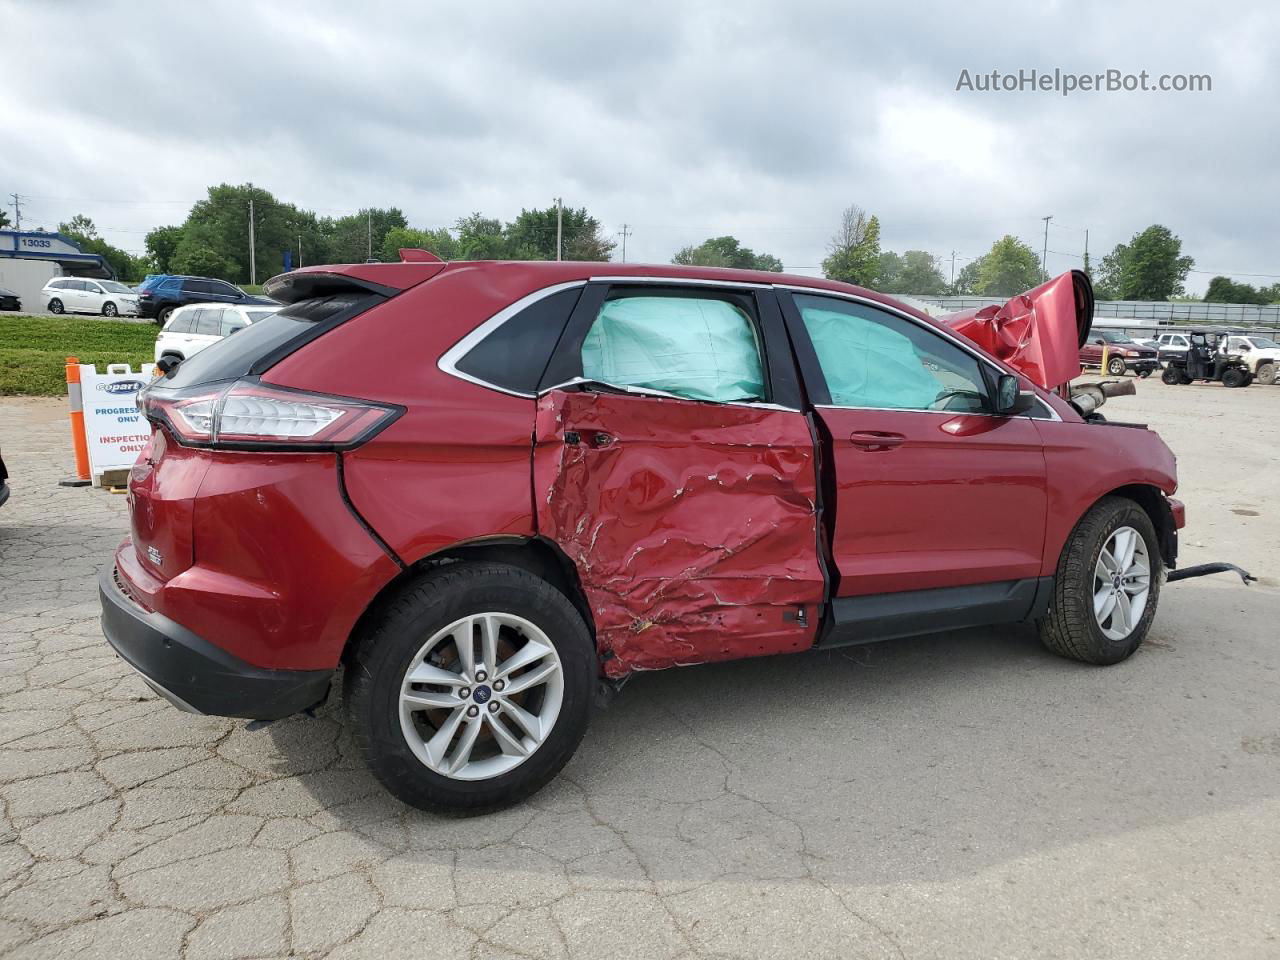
114,429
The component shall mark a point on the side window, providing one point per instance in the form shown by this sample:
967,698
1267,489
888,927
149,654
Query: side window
199,288
181,321
515,354
224,289
875,360
694,346
92,287
231,322
208,321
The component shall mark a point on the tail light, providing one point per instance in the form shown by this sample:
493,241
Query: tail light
250,415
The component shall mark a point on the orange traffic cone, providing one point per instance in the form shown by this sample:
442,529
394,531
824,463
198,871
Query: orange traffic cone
78,441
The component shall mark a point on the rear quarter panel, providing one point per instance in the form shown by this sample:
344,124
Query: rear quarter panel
456,466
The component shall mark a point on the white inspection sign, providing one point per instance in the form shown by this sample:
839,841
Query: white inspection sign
114,429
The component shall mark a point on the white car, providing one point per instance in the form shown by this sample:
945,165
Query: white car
191,328
81,295
1172,346
1262,354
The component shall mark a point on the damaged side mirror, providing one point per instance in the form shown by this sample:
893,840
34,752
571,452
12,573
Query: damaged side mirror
1011,399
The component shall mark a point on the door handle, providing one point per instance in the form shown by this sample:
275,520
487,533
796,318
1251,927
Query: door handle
876,440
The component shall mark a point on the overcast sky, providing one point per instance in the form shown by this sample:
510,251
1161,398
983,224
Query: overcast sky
682,120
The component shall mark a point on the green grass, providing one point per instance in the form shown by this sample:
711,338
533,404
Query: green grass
33,350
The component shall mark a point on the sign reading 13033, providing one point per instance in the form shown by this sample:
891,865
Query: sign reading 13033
36,242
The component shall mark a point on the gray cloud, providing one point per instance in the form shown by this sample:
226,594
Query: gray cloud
683,120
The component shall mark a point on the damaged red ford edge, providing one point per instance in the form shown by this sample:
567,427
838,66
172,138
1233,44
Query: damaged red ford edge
492,491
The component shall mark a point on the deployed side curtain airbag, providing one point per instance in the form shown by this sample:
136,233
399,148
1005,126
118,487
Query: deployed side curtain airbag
702,349
866,364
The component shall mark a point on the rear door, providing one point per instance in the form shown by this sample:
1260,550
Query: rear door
932,492
94,298
675,468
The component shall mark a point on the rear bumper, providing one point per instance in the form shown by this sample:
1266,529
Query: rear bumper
194,674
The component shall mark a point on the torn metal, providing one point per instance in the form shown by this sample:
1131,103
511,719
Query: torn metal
1205,569
1039,333
692,526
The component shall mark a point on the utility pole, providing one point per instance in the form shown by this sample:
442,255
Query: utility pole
624,233
1086,252
1045,255
17,212
299,248
559,225
953,270
370,225
253,257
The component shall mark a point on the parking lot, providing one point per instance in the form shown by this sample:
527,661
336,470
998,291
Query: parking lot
961,795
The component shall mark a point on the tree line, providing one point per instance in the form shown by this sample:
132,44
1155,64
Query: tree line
213,241
1150,266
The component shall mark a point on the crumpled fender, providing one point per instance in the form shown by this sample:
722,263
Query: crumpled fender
1039,333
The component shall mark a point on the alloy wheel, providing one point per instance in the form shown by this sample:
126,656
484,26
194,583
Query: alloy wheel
481,695
1121,583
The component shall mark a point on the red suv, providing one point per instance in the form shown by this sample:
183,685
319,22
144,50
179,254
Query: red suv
492,491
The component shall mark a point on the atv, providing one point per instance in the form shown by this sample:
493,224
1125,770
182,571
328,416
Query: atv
1206,359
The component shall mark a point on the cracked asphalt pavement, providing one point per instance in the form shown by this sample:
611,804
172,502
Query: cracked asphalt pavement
960,796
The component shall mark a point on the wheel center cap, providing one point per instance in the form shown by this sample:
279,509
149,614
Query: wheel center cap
481,694
1116,580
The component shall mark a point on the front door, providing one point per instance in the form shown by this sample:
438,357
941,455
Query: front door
931,490
681,491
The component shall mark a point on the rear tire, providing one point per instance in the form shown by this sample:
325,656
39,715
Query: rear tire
1072,627
109,309
1116,367
163,316
55,306
397,739
1266,373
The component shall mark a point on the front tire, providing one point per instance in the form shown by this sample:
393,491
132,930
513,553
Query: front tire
1116,367
1107,585
425,676
1235,377
109,309
55,306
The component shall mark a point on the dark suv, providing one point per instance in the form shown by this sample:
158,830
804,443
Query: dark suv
160,295
495,490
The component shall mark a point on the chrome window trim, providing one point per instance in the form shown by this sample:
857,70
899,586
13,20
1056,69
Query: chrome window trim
448,362
1053,414
685,281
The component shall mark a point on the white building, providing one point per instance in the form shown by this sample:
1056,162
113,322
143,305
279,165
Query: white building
29,259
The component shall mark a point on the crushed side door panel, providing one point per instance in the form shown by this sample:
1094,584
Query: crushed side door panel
692,525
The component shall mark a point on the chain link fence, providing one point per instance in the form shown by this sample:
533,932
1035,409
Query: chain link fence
1149,314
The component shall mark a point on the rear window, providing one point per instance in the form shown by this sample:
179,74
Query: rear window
180,322
260,345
